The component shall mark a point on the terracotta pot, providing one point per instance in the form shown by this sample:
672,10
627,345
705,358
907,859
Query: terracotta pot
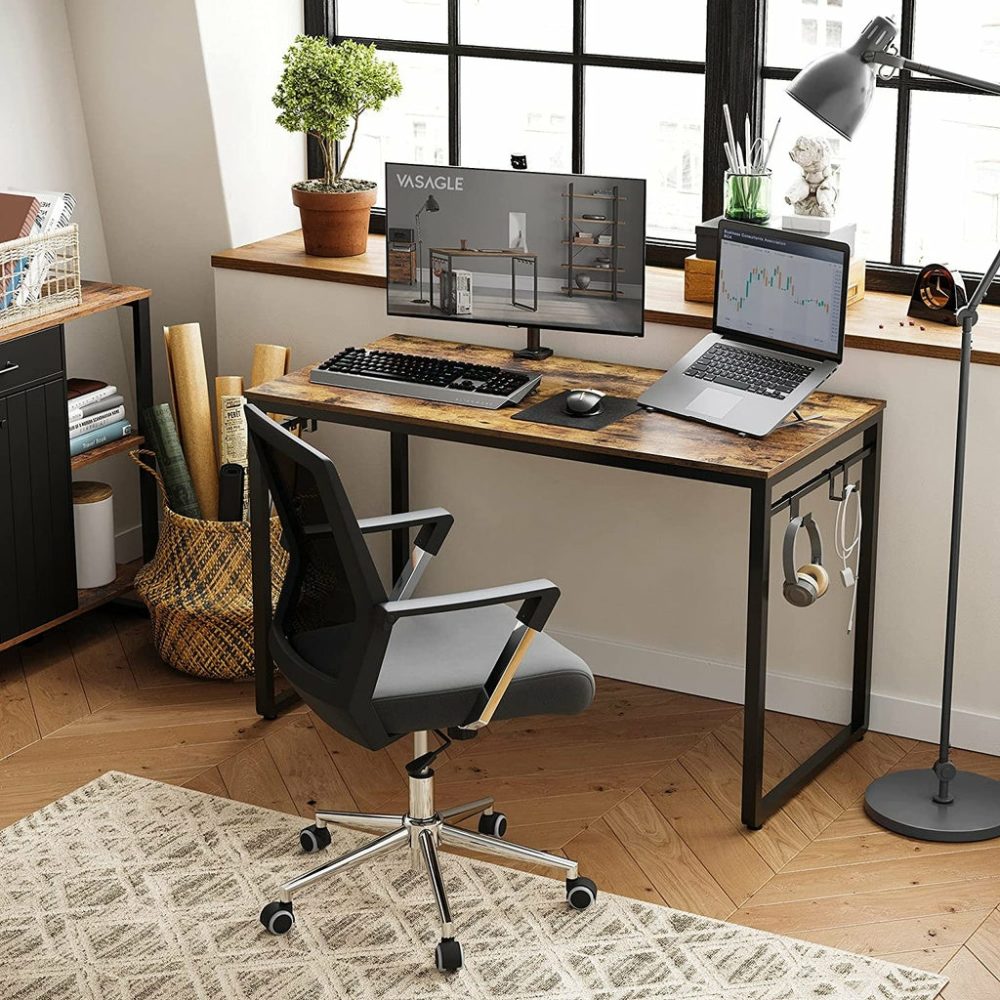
334,225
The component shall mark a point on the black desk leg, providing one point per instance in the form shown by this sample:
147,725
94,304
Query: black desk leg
399,489
756,655
260,556
871,474
149,506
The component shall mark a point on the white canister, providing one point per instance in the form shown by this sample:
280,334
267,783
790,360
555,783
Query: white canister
94,526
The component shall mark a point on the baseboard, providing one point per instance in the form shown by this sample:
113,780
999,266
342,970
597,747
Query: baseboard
664,668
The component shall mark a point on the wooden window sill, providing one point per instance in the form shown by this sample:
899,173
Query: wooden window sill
877,323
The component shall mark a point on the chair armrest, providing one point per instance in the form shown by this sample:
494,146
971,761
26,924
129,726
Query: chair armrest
538,596
435,523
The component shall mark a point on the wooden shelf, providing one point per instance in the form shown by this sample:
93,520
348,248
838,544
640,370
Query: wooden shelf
598,222
596,197
877,323
107,450
87,600
596,246
98,296
592,267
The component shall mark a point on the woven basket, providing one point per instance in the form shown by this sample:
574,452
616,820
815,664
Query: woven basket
198,590
39,275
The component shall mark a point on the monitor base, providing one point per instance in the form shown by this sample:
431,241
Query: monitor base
533,350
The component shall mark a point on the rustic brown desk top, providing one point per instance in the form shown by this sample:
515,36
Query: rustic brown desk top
642,437
877,323
472,252
98,296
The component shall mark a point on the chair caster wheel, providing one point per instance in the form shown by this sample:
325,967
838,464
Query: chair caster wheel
278,918
493,824
580,892
314,838
448,955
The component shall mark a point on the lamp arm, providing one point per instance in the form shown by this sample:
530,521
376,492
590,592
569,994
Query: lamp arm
976,299
901,62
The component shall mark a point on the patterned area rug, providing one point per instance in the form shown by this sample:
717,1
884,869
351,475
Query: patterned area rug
129,889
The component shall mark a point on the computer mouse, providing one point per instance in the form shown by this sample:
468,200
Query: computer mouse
584,402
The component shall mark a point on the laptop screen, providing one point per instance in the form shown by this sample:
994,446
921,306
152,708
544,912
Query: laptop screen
781,290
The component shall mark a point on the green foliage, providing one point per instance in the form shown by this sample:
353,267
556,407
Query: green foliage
325,88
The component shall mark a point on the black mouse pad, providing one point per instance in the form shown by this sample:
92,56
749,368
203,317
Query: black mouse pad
553,411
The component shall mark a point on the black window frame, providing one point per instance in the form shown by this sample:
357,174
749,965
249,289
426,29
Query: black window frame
734,71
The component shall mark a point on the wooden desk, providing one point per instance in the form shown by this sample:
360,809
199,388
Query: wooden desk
447,254
646,442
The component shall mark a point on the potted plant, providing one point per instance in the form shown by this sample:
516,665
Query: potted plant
323,90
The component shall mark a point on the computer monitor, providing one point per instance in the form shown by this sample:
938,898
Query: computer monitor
782,290
561,251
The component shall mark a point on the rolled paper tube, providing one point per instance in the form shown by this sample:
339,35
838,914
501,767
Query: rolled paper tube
269,361
193,412
225,385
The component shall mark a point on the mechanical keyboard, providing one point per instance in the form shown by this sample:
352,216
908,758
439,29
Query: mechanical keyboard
763,374
441,380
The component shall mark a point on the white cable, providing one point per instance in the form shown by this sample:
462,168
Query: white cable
845,550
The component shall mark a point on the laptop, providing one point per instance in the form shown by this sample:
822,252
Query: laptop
778,331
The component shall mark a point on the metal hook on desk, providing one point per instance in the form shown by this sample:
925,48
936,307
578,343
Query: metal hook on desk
841,469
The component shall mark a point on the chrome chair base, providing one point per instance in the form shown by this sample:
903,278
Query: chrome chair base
423,830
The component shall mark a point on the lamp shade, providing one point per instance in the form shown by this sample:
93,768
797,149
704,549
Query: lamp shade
838,88
432,204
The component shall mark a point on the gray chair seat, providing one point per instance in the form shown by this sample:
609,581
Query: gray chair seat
434,669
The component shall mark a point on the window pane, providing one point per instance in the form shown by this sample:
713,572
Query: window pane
518,24
413,20
516,107
641,28
800,30
411,128
953,202
642,123
969,43
867,164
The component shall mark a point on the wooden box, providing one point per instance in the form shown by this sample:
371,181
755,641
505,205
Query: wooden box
403,263
699,280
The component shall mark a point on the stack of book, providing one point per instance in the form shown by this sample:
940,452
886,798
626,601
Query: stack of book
96,415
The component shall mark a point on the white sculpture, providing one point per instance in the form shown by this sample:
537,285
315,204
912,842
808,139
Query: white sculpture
815,192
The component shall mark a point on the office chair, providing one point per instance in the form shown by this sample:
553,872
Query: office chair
377,667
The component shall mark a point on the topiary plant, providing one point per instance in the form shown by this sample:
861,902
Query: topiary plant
324,88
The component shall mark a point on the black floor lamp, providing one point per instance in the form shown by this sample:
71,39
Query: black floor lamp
942,803
431,205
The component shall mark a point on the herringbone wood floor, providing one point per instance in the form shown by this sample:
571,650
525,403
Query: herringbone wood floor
643,790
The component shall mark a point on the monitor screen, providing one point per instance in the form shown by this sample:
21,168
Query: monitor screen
558,251
781,289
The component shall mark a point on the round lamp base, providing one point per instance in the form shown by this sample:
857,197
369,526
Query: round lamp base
904,803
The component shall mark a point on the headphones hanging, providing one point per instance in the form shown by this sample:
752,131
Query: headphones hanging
807,584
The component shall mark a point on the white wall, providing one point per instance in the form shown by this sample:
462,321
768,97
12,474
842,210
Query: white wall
242,45
45,147
652,569
145,98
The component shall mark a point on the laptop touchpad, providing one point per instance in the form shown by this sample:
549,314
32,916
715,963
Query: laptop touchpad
713,402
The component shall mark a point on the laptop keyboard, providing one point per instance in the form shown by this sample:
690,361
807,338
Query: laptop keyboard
762,374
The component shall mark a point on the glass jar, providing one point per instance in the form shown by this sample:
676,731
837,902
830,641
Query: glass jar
746,197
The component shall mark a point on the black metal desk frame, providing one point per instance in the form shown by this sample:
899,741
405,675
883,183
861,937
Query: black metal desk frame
756,805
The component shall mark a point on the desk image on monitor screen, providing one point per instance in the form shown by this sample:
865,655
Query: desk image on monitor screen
517,248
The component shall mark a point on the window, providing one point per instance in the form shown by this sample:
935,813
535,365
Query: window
899,163
614,87
634,88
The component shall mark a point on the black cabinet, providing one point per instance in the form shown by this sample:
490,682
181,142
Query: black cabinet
38,563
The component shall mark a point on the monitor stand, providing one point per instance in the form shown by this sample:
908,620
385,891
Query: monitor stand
533,350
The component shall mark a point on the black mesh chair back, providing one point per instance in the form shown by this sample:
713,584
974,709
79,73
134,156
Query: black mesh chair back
331,583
